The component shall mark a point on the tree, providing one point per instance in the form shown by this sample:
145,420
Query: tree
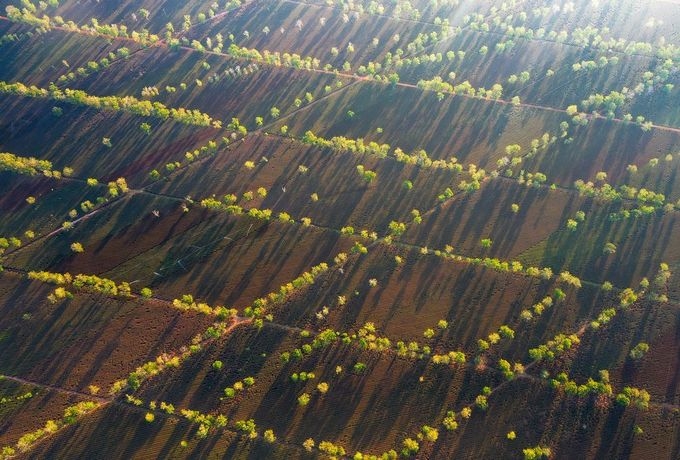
27,166
430,434
410,447
485,243
269,436
450,422
627,297
630,395
308,444
639,351
77,247
535,453
397,228
506,331
609,248
303,399
570,279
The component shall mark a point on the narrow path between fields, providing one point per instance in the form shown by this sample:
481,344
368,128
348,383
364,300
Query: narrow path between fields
47,387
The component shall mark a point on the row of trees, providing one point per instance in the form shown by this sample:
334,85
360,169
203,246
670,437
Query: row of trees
210,423
275,58
359,146
71,415
29,15
260,307
238,386
13,37
206,422
404,9
465,88
187,303
493,263
128,104
94,66
554,348
25,165
596,388
585,37
342,143
86,283
10,399
190,156
214,204
607,193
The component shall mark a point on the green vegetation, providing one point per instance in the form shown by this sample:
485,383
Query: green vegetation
111,103
315,188
71,415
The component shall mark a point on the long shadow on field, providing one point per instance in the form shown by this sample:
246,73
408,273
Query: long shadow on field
326,415
617,146
198,385
642,243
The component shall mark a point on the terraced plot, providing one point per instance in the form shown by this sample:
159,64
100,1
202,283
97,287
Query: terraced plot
339,229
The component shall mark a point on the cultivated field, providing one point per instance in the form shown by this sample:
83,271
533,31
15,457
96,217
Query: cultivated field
359,229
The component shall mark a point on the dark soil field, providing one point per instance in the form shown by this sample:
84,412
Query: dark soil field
351,229
26,408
